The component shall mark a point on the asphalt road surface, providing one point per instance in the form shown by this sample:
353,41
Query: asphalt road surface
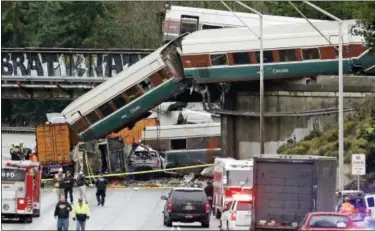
124,209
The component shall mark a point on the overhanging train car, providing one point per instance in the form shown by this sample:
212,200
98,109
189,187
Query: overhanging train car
179,20
289,51
126,98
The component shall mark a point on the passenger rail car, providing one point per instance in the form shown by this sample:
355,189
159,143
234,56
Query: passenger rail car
289,51
126,98
179,20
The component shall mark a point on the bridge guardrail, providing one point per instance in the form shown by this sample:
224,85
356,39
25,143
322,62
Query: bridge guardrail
6,129
53,79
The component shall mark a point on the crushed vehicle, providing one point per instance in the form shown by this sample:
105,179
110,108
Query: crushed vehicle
21,183
143,158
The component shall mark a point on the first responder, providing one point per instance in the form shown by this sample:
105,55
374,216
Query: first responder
81,212
62,210
81,183
347,207
209,190
59,183
68,186
101,187
33,157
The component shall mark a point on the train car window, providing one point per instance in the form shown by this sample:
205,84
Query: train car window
219,59
208,27
178,144
146,85
80,125
311,53
189,24
156,79
106,109
288,55
133,93
165,74
267,56
119,101
241,58
92,117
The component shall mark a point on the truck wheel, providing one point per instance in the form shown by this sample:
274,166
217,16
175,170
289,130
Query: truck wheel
168,223
36,213
28,219
206,224
217,214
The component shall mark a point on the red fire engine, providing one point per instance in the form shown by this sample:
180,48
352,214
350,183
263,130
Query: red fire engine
231,177
21,190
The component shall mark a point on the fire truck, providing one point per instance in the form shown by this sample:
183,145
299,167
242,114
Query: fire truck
21,181
230,177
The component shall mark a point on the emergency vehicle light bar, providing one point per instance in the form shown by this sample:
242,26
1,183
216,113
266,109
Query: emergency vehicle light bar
241,165
22,165
242,197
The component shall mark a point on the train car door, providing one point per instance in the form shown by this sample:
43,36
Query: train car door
189,24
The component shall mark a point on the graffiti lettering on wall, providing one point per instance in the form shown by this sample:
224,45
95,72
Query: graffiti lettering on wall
66,64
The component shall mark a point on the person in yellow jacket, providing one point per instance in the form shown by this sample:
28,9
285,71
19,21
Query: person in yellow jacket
81,212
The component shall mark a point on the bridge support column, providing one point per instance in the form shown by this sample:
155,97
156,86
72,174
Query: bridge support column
228,127
290,115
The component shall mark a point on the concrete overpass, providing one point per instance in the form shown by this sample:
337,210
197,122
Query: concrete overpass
292,110
59,73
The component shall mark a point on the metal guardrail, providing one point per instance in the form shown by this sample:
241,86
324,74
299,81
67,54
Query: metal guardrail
77,50
17,129
318,112
54,79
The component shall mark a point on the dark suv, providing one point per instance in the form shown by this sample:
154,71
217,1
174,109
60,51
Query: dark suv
186,205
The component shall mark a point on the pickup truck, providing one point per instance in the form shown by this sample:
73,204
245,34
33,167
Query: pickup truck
287,187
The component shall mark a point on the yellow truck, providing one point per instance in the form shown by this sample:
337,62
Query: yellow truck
54,142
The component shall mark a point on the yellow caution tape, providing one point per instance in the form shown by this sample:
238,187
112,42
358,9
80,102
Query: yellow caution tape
148,171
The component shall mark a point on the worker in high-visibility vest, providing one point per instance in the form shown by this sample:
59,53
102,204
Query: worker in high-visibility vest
81,212
347,207
33,156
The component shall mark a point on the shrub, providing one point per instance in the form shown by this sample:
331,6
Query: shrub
359,144
349,126
331,135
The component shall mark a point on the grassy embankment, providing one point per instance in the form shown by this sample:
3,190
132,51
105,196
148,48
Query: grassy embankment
359,137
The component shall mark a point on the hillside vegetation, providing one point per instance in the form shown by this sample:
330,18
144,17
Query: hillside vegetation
359,133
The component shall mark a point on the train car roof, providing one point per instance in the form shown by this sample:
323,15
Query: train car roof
111,82
182,131
222,17
183,126
281,36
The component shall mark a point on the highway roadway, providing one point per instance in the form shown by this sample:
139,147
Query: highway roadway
124,209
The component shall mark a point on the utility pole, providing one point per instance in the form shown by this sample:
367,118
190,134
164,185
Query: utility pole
261,77
341,95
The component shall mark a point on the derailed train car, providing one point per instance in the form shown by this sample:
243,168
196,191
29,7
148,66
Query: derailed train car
123,100
181,19
290,51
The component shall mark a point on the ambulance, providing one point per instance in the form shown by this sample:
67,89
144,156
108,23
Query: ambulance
230,177
21,181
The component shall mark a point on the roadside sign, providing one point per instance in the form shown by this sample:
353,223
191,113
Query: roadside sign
359,164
